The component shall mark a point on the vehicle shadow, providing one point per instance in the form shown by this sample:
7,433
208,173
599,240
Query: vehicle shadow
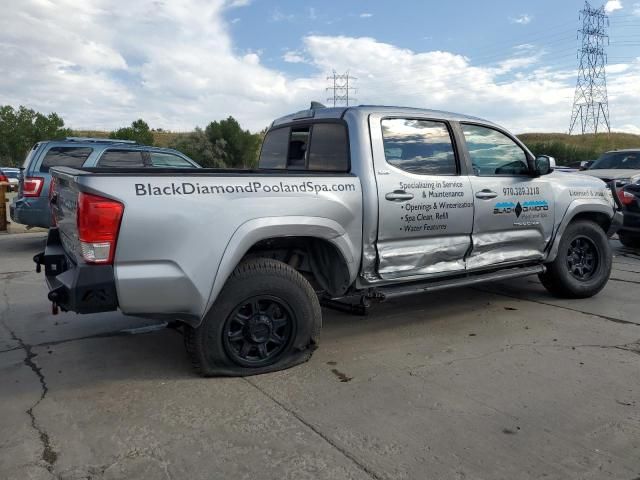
22,243
159,355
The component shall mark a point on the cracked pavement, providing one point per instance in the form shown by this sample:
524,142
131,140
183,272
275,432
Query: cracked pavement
500,381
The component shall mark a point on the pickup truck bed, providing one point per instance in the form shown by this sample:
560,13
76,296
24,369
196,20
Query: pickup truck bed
181,230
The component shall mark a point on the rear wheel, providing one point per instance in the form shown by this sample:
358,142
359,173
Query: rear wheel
583,263
266,318
630,240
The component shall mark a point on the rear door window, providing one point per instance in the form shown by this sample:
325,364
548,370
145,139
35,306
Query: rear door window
418,146
65,157
121,158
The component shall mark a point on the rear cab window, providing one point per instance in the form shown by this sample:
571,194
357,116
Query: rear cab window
64,157
318,147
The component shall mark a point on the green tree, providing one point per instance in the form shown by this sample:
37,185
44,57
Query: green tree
197,146
138,131
20,129
241,146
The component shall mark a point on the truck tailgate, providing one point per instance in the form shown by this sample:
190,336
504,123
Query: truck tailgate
64,206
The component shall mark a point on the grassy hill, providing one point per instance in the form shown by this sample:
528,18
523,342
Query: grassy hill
565,148
571,148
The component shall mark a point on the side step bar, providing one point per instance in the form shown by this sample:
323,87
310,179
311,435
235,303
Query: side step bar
468,280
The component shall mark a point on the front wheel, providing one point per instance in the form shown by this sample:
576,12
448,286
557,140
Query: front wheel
583,264
266,318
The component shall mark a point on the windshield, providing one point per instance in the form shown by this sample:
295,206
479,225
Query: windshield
11,173
617,160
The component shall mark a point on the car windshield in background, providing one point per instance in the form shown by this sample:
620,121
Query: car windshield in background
617,160
10,173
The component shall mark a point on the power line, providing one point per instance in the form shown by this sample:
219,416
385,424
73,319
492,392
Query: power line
340,88
590,102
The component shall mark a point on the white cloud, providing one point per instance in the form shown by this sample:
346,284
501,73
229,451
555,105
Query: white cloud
539,99
523,19
104,63
292,56
612,6
279,16
237,3
366,15
636,9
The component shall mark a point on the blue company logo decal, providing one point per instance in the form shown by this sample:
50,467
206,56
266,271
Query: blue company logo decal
518,208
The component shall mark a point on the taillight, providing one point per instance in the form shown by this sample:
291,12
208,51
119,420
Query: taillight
98,224
32,186
626,198
3,177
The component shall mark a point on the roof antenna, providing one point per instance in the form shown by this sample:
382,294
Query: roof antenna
316,105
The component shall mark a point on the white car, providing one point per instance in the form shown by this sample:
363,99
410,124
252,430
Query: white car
10,175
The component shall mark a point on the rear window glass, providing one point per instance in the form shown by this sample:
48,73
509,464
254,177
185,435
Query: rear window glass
329,148
121,158
617,160
10,173
65,157
318,147
274,149
30,155
162,159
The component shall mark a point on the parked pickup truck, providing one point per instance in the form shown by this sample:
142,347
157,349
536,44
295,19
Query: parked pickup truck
347,204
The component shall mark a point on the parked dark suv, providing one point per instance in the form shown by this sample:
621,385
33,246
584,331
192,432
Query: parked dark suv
31,205
622,167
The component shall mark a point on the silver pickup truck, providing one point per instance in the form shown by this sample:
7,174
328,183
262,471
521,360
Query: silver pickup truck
348,205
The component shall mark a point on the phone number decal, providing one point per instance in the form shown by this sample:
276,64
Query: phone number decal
520,191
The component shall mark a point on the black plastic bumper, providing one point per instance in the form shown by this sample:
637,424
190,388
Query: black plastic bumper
631,222
616,223
81,288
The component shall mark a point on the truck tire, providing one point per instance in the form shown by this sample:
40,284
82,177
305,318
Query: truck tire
629,239
583,264
266,318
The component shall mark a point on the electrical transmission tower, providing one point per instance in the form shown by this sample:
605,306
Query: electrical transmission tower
590,103
340,88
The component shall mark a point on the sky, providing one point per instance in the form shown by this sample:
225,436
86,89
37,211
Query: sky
101,64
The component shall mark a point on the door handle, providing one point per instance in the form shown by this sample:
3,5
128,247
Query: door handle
398,196
486,194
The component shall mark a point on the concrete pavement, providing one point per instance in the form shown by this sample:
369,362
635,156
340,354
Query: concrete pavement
498,382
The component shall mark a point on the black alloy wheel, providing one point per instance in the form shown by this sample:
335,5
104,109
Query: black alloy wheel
582,258
258,330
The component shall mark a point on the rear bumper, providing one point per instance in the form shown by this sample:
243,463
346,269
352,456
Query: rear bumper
34,212
631,222
80,288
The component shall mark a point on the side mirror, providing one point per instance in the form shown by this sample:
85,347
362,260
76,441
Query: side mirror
544,164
